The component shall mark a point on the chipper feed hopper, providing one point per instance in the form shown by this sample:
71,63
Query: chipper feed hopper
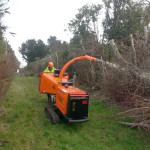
66,99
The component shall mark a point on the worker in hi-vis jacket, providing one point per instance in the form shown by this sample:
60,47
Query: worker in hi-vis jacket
50,68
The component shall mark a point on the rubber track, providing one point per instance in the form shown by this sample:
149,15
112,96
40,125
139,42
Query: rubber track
51,115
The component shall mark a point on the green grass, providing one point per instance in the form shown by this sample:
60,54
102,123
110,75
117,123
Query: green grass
25,126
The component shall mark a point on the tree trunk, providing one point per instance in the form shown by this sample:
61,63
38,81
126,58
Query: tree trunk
134,51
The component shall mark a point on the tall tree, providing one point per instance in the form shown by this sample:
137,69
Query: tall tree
32,49
84,24
54,44
124,17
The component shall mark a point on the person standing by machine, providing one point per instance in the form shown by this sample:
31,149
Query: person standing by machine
50,68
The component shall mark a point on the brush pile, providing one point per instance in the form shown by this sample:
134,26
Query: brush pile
126,79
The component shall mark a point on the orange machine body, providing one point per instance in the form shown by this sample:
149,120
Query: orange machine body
60,86
49,83
62,96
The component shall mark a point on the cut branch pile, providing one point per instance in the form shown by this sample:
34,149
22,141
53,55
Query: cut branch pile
127,79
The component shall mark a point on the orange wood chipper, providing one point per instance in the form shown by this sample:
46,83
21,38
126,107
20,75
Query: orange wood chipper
68,100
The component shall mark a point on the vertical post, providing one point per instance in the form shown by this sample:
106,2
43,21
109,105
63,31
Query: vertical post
74,79
57,59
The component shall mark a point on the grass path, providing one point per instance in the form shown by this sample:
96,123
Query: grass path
25,126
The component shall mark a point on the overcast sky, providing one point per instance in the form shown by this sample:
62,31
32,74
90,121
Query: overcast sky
39,19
